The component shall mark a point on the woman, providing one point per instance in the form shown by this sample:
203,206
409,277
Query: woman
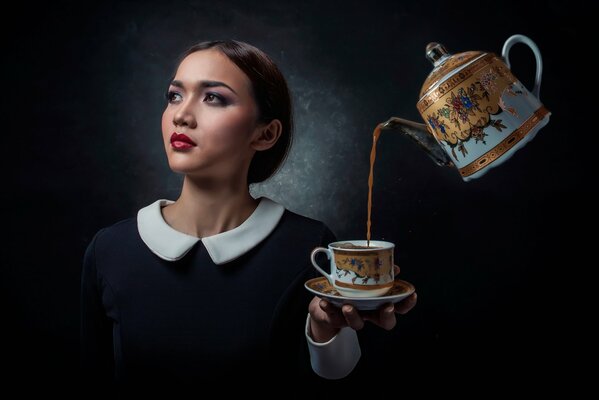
212,284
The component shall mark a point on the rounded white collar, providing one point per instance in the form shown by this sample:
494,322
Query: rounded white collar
171,245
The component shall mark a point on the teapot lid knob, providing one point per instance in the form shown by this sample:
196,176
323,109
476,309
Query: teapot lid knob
436,53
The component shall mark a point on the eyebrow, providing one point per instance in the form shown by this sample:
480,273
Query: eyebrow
203,84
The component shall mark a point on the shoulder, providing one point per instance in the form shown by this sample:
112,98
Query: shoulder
126,232
120,233
106,241
298,220
274,220
306,226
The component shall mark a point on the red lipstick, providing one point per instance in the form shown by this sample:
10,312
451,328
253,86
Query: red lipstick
179,141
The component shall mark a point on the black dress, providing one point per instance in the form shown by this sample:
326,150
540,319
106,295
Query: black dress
146,320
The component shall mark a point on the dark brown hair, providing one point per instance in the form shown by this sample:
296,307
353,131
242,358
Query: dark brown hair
271,94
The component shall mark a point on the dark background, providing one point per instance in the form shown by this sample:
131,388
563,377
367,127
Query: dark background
496,261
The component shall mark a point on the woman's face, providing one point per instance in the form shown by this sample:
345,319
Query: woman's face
210,102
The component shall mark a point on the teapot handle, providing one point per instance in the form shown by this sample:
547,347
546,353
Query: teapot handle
527,41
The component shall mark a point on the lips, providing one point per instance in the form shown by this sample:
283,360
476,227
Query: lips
181,141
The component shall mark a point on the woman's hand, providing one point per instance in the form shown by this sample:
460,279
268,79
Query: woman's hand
326,320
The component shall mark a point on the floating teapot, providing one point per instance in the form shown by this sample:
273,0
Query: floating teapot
477,113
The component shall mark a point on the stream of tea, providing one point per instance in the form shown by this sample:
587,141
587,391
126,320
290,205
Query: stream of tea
375,138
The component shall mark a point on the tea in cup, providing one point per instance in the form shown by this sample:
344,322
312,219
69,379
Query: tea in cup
359,268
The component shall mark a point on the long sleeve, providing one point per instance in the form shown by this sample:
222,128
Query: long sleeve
336,358
97,359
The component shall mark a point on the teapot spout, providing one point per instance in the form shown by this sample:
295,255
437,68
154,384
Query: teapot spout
420,134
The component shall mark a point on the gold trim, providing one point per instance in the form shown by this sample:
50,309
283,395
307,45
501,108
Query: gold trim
363,287
506,144
373,251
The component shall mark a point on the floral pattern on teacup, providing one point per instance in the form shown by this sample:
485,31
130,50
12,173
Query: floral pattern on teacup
365,268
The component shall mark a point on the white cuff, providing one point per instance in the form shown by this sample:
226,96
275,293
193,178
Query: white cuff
336,358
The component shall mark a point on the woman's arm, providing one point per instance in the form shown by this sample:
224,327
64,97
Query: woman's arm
97,359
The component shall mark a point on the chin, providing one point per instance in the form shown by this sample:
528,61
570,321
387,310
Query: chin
186,165
181,167
181,162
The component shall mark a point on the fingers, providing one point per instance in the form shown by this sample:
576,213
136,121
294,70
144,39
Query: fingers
352,317
406,304
323,327
327,307
324,312
387,317
384,317
395,269
336,318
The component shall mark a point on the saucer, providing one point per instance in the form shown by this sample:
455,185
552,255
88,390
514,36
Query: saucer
322,288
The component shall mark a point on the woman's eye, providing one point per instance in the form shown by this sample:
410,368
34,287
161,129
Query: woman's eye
173,97
214,98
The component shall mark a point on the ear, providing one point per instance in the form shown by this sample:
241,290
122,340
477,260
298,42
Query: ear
265,136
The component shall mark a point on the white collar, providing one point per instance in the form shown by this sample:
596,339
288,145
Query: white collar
171,245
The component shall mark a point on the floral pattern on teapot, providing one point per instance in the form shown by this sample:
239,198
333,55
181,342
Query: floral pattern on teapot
474,106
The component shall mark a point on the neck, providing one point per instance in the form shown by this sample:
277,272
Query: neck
209,208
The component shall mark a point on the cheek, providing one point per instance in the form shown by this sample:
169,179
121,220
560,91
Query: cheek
232,127
166,123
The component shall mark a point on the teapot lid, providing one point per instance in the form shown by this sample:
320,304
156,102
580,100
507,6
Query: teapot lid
445,64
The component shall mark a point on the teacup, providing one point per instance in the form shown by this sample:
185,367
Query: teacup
358,270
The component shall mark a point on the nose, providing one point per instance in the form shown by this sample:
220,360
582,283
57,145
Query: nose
184,117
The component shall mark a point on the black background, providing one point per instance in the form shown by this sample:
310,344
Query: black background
496,261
